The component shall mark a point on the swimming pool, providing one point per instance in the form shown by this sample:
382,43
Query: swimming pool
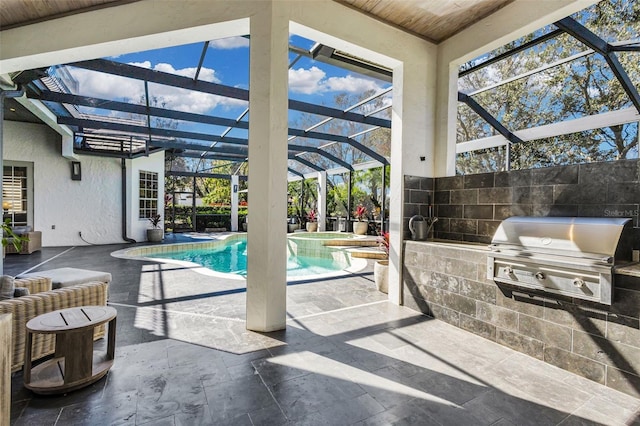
306,257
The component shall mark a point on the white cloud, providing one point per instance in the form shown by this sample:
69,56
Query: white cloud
206,74
229,43
107,86
350,84
306,81
313,80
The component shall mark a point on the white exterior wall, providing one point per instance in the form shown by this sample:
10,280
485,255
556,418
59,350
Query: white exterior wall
90,206
136,227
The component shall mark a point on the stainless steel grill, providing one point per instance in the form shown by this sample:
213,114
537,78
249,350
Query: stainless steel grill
570,256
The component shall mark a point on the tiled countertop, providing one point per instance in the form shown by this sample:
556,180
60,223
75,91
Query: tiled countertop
632,270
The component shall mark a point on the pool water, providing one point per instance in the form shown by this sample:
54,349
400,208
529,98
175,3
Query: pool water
232,259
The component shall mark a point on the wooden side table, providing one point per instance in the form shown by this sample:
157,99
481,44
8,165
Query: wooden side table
75,364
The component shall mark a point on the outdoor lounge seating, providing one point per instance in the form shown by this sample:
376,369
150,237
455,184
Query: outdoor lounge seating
65,277
34,242
39,302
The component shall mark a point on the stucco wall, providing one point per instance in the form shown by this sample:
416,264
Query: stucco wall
91,206
136,227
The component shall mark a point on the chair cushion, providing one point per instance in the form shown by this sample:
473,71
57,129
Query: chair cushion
65,277
21,230
7,287
21,291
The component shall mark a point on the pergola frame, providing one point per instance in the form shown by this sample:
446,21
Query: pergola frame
596,45
97,122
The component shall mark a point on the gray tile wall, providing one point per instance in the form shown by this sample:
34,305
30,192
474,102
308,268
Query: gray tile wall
470,207
418,195
594,341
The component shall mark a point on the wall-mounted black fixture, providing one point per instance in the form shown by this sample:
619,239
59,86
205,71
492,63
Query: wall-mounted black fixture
76,171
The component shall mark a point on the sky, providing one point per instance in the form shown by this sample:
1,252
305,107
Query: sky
226,62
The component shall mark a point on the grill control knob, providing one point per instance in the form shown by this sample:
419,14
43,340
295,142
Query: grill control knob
578,282
540,276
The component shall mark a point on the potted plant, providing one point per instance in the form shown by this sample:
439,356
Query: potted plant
155,234
361,226
292,224
312,221
381,267
9,237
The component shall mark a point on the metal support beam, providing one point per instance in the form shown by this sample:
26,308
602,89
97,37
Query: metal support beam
488,117
590,39
179,115
205,47
91,102
305,162
295,172
131,71
522,47
205,175
321,153
235,150
142,130
338,113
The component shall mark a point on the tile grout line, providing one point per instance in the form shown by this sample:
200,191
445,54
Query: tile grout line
46,261
195,314
335,310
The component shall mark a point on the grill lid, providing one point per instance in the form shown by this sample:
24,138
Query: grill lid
567,236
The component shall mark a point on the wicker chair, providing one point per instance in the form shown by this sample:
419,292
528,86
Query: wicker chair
39,302
27,247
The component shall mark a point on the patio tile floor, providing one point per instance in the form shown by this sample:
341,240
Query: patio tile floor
184,357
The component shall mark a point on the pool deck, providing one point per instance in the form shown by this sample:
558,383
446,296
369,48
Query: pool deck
184,357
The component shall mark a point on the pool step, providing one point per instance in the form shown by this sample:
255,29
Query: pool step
367,253
369,241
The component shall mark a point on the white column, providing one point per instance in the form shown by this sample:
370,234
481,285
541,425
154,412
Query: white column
268,102
234,202
411,138
322,201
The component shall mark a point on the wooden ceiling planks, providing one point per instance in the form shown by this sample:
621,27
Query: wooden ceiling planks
434,20
14,13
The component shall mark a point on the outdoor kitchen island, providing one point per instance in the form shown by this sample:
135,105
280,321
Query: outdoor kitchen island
448,281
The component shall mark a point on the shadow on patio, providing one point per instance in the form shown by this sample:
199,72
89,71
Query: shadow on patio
346,357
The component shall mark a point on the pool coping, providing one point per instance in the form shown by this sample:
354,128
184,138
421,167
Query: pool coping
356,264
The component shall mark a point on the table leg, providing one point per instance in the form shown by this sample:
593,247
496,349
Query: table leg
27,358
78,356
111,343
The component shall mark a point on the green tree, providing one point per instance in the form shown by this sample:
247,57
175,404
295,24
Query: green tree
582,87
218,191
